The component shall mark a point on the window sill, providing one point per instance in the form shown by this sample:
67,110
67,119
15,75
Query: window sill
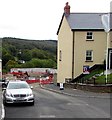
89,61
89,39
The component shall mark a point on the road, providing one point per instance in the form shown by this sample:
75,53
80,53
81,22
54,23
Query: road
49,104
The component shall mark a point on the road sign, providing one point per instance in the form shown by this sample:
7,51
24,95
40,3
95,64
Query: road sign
85,69
105,19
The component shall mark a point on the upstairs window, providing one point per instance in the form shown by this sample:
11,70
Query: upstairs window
89,36
89,55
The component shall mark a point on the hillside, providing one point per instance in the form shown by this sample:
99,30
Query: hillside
47,45
34,53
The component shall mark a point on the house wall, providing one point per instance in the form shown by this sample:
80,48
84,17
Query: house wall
65,45
98,45
0,69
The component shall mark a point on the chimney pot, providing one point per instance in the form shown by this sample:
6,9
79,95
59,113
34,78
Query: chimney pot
67,9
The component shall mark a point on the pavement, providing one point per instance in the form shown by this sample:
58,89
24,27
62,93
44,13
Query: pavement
2,111
73,92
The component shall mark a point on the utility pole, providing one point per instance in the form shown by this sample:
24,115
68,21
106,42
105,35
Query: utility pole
105,19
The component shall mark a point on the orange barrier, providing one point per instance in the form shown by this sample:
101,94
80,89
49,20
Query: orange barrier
42,81
32,81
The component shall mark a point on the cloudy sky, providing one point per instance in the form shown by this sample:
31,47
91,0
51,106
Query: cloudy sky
39,19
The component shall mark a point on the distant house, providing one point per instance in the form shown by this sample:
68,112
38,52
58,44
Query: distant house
81,44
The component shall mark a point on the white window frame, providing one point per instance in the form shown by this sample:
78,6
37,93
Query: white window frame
89,34
89,55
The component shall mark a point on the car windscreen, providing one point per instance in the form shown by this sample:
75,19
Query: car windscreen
17,86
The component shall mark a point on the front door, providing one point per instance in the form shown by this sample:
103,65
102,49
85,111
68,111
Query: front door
110,59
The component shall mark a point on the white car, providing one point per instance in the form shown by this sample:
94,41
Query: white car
18,92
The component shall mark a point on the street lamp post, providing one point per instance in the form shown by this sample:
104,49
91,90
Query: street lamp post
105,19
107,57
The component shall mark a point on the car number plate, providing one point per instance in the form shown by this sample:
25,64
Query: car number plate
20,99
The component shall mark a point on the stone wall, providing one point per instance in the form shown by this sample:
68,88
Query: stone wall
90,87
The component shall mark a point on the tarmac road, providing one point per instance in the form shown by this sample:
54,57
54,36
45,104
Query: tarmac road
50,104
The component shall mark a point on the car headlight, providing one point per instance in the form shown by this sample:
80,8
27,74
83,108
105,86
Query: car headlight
30,94
9,95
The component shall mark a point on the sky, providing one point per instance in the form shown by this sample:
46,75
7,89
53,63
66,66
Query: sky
40,19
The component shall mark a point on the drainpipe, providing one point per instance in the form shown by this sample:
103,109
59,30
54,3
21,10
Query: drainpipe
73,43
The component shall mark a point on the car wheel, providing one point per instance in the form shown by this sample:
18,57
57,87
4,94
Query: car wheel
4,103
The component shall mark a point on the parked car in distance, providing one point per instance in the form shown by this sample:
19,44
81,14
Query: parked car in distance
18,92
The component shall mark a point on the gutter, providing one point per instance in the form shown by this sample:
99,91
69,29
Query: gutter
73,42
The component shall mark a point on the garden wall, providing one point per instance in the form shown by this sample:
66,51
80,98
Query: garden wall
90,87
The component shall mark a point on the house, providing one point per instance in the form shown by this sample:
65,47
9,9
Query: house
82,44
0,69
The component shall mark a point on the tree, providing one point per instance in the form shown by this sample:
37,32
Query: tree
11,64
27,65
49,63
25,55
12,50
35,53
6,58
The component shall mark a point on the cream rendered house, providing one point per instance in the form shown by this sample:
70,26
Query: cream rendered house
0,58
0,69
81,44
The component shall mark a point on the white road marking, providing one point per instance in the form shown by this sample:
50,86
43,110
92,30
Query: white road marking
47,116
78,104
3,113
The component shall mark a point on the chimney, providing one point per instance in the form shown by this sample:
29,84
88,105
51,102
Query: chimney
67,9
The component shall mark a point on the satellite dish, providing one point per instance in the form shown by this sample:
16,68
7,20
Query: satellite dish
106,22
